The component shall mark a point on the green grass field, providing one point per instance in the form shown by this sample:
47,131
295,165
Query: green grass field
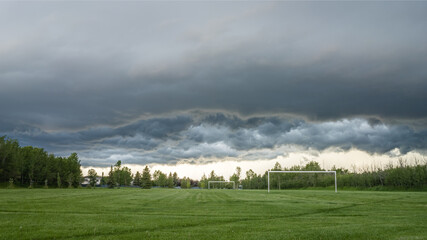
211,214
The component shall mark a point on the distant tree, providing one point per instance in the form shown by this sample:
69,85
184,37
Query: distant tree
185,182
312,166
111,180
146,178
170,181
249,180
277,167
188,182
159,178
11,185
9,151
117,173
92,177
125,176
30,165
236,176
103,181
212,176
70,180
162,180
203,183
175,179
58,180
75,175
137,179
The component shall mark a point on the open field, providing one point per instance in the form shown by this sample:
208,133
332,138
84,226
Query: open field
210,214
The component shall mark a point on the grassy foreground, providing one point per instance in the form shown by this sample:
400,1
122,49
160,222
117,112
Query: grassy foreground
210,214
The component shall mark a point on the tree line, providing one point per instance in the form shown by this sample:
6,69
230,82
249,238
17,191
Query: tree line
402,176
31,166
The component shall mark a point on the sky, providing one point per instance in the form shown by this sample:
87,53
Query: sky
200,86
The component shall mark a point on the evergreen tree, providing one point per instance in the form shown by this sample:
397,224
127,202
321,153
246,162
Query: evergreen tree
137,179
146,178
175,179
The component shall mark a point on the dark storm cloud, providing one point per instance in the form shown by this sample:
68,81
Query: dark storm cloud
145,77
191,137
317,60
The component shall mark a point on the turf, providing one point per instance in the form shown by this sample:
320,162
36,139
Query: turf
210,214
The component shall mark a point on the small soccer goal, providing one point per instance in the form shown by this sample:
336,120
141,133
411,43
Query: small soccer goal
209,183
334,172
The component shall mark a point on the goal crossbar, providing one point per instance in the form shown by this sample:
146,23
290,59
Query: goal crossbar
209,183
334,172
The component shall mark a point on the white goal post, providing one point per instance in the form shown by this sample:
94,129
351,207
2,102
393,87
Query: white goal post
209,183
334,172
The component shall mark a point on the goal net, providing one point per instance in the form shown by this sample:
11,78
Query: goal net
334,172
209,183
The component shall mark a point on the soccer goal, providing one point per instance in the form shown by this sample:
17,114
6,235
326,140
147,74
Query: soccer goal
209,183
334,172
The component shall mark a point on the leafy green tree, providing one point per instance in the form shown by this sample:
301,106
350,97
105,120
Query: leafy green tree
250,181
111,180
125,176
312,166
58,180
212,176
203,183
170,181
236,176
185,182
9,149
276,181
117,173
159,178
30,165
70,180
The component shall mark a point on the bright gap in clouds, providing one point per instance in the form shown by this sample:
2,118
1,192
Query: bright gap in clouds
351,160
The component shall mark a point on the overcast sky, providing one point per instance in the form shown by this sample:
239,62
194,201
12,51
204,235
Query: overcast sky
200,82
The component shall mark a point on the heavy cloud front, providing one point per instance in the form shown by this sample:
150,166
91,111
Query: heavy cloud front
199,138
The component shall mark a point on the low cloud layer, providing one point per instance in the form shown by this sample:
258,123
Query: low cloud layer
206,137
